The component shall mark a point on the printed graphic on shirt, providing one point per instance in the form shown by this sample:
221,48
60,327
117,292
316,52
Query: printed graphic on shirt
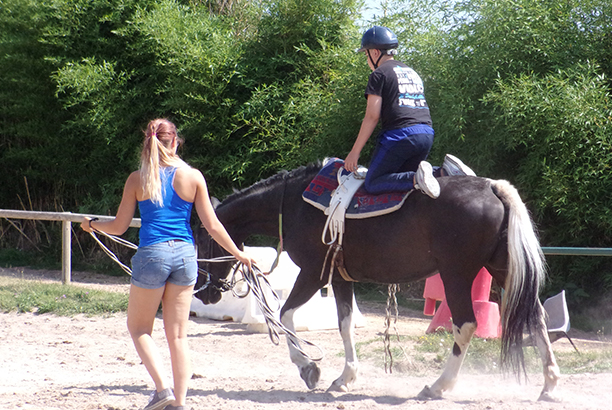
411,90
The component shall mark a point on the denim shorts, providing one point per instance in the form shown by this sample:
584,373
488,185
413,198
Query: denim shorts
172,261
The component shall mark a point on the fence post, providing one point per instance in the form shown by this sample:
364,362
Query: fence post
66,251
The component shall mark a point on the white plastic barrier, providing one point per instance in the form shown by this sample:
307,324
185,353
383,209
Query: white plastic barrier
319,313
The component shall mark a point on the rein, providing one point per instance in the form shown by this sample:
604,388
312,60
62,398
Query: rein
279,248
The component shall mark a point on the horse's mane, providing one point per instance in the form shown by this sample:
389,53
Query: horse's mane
274,180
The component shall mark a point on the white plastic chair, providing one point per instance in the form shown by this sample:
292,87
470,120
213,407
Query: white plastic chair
557,318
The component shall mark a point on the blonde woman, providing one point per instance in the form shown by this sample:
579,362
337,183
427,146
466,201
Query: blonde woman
164,268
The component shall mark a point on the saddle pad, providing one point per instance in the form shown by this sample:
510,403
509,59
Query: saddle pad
363,204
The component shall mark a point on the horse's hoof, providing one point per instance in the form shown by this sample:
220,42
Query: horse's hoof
428,394
310,374
549,397
338,387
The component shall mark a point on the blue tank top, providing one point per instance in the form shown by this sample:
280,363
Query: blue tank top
168,222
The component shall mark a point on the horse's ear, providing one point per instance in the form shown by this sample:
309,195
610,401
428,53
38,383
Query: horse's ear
215,202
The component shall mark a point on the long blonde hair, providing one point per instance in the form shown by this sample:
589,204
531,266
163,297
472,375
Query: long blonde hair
158,150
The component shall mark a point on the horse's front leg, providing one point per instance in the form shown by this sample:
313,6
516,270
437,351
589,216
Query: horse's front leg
549,363
343,292
301,293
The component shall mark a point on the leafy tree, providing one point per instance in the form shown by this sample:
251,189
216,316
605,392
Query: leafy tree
31,117
296,69
64,61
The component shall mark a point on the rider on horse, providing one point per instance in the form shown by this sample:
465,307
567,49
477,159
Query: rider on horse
395,95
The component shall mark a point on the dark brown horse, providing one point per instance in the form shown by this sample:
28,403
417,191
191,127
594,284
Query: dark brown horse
475,222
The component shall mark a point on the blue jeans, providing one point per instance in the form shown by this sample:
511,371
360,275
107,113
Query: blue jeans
395,162
172,261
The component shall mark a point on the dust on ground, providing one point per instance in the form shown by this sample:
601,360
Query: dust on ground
50,362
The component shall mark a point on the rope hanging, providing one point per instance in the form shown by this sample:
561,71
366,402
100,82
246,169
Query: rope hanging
391,304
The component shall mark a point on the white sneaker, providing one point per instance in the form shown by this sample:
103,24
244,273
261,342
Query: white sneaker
425,181
454,166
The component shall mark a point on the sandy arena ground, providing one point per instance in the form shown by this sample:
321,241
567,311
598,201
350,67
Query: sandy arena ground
50,362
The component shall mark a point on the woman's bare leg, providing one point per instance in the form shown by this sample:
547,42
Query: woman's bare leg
176,305
142,308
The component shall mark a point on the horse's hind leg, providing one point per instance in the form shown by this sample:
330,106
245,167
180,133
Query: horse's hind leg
301,293
464,325
343,292
447,380
549,363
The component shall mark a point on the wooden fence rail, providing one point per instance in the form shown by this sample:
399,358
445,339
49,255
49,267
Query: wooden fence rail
66,218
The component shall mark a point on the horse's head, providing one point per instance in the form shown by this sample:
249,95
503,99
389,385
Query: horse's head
211,275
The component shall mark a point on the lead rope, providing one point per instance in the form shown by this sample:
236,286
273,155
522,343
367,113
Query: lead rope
252,278
226,285
109,252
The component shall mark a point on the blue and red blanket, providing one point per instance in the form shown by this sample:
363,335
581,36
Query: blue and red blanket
363,204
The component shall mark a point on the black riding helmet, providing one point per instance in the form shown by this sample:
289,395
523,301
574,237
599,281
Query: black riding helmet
378,38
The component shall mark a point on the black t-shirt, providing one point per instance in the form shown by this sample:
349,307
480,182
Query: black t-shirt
402,92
